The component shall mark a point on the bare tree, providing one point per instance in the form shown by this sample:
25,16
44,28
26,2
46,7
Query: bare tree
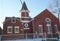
55,7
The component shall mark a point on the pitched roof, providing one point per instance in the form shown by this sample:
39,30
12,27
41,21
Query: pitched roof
7,18
44,12
24,7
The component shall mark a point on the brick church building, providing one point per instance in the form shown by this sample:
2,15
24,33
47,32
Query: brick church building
44,24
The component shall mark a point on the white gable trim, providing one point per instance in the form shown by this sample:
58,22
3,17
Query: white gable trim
25,21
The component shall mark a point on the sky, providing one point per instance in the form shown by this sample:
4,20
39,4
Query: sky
10,8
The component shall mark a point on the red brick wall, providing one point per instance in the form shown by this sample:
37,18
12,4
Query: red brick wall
23,14
33,25
9,23
40,19
18,23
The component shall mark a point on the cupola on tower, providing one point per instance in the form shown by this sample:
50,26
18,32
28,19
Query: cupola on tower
24,13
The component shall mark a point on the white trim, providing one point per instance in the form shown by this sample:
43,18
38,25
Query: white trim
25,17
48,28
40,28
25,21
26,24
48,18
8,29
15,29
52,38
25,14
12,20
56,28
24,11
49,32
48,21
48,25
40,25
41,33
26,28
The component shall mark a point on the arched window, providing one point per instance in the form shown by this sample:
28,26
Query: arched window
48,24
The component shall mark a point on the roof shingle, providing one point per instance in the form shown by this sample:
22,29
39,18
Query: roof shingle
24,7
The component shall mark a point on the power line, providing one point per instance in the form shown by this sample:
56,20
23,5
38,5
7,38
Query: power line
21,1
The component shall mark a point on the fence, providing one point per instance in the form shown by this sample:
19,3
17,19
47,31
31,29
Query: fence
42,36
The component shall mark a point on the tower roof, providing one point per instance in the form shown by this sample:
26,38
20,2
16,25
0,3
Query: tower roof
24,7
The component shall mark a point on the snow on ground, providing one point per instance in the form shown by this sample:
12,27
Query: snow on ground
38,39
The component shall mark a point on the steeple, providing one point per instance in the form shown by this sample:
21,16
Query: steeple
24,13
24,7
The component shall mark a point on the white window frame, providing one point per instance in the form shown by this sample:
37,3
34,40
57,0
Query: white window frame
49,30
41,27
26,25
8,29
56,28
15,29
48,21
48,18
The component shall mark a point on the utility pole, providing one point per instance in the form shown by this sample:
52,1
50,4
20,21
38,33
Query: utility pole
58,25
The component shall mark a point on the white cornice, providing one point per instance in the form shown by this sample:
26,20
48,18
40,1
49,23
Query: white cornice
25,21
48,25
24,11
25,17
26,28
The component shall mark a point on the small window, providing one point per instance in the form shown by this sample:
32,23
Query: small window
9,29
48,21
16,30
40,29
26,24
13,20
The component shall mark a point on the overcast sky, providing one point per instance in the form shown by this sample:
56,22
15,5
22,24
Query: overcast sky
10,8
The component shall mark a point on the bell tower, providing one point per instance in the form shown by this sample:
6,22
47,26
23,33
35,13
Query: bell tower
25,19
24,13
